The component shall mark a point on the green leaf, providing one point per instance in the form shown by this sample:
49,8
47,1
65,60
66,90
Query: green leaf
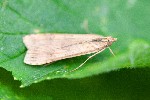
126,20
124,84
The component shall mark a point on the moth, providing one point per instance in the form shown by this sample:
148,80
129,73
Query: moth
48,48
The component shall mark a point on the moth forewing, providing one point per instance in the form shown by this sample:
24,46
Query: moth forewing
47,48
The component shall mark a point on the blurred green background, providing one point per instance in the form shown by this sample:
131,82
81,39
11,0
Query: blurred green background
124,77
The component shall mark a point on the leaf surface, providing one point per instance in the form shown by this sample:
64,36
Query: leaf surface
127,21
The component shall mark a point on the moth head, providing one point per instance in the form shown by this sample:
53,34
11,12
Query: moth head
109,40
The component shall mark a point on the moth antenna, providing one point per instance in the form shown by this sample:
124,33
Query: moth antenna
87,60
111,51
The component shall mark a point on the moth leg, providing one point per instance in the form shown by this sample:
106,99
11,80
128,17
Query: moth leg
87,60
111,51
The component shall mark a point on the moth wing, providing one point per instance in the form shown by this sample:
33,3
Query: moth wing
47,48
56,40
